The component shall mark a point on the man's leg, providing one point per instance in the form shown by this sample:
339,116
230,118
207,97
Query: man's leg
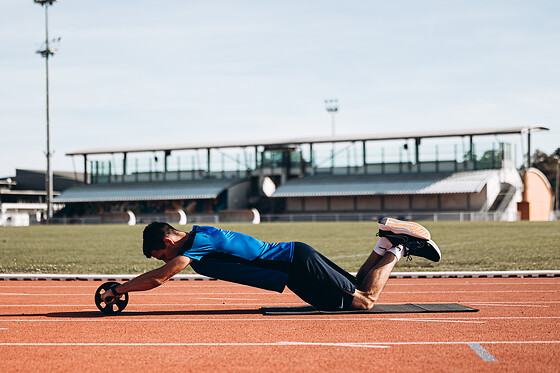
318,281
375,280
405,239
378,252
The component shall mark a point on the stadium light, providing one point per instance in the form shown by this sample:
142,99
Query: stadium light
48,49
331,105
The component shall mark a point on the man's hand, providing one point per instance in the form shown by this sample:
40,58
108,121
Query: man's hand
110,297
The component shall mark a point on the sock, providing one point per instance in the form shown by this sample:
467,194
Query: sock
398,251
382,246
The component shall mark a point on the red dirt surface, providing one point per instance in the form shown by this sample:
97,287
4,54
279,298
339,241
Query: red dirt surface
202,326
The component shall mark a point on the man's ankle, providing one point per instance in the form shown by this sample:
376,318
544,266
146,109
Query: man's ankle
382,246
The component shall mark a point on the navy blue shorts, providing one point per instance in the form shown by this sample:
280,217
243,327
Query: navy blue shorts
318,281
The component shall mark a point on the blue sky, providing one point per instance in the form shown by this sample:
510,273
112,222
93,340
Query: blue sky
146,72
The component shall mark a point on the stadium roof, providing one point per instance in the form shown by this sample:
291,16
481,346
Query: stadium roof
399,184
120,192
311,140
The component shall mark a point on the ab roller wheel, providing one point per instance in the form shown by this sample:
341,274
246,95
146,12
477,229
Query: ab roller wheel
112,306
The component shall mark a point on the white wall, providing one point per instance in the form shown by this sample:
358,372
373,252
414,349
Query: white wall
18,219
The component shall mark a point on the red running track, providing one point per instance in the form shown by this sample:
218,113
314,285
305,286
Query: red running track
204,326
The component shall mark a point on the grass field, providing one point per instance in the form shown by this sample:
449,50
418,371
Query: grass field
116,249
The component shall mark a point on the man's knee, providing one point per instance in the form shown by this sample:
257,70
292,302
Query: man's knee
362,301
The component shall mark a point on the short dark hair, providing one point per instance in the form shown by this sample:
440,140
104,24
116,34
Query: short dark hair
153,236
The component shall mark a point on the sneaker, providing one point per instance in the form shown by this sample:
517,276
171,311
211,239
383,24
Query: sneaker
414,237
399,227
424,248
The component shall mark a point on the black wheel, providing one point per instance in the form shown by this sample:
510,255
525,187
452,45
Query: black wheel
110,308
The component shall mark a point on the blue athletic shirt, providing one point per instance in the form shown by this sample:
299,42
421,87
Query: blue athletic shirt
239,258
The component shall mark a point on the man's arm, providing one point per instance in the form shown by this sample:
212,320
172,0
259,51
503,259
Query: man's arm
156,277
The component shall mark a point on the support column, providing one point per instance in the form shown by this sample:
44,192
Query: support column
471,150
528,148
364,162
166,155
417,153
85,169
124,164
311,158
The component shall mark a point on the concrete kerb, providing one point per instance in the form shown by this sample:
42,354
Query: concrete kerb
194,277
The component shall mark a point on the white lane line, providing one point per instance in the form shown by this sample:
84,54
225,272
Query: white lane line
275,344
508,305
470,291
267,294
195,344
430,282
151,305
438,320
326,344
470,283
222,299
129,318
221,303
525,302
95,284
153,294
482,352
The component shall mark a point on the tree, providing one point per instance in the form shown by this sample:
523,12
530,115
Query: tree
490,159
547,164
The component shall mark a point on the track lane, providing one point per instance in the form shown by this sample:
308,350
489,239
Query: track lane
226,331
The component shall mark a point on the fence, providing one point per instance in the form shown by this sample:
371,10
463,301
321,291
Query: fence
309,217
431,216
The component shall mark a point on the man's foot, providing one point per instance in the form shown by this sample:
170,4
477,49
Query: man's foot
399,227
412,236
424,248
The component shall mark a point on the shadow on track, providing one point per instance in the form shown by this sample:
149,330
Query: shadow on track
97,314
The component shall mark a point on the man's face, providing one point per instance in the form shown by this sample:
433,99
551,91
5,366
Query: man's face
170,251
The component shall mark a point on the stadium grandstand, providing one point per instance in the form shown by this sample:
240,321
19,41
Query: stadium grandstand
444,175
23,197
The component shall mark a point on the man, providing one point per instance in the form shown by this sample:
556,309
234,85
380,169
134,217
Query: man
243,259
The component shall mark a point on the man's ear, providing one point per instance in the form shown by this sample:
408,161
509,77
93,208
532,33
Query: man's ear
168,241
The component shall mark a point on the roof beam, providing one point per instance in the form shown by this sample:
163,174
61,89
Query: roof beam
314,140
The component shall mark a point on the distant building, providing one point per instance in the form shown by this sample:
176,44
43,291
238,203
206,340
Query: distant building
456,175
537,197
23,197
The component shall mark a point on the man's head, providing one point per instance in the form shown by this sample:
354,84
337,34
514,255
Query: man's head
157,236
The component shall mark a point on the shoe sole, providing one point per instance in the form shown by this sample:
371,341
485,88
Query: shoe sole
404,227
436,254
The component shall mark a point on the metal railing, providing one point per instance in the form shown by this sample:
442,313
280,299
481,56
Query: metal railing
309,217
421,216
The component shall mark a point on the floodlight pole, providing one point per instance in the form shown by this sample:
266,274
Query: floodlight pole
557,183
331,105
46,52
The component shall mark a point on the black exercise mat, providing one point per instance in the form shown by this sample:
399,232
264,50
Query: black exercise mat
378,308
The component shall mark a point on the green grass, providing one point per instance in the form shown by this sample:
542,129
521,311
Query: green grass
116,249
